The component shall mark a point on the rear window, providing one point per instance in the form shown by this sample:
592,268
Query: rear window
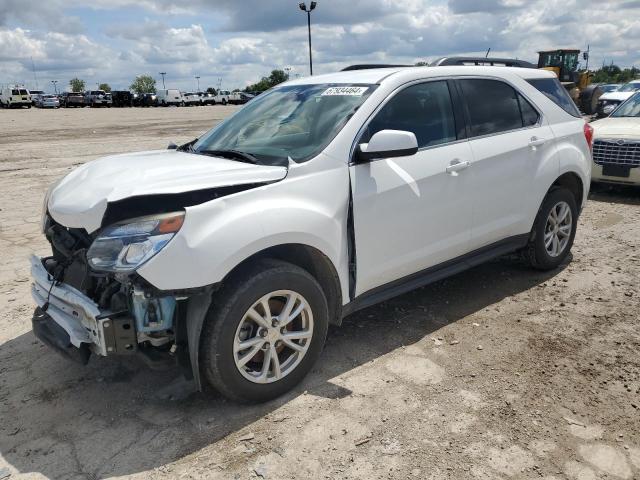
554,90
15,92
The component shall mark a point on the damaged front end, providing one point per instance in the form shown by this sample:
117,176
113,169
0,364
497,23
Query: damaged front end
91,300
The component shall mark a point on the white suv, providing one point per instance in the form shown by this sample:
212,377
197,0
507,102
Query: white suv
233,253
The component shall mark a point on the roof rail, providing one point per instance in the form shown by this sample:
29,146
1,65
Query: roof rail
481,61
367,66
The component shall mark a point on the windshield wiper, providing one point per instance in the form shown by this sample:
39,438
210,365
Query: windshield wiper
187,147
230,154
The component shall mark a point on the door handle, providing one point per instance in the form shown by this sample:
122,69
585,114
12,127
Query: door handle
536,141
456,165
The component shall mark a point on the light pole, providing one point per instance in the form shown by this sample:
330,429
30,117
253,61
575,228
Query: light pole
303,7
55,86
198,80
163,74
288,70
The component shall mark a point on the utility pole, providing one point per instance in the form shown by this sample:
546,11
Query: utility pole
55,86
303,7
198,80
288,70
35,77
163,74
585,55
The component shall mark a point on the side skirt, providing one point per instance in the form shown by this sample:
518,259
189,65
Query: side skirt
435,273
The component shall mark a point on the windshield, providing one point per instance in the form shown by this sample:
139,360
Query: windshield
630,87
292,121
630,108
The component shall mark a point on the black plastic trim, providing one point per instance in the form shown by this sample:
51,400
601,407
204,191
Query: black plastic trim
366,156
54,336
435,273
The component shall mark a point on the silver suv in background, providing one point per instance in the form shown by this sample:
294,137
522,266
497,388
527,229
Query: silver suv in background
98,98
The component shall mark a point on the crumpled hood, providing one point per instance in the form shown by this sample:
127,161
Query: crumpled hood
80,199
618,96
617,127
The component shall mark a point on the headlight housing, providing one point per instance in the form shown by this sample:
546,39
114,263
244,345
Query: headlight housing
125,246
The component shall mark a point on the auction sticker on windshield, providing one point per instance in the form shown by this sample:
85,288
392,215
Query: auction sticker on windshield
354,91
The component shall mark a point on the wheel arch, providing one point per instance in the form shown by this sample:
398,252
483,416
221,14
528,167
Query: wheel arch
310,259
572,182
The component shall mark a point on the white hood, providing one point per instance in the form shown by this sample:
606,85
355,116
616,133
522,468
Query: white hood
617,127
80,199
618,96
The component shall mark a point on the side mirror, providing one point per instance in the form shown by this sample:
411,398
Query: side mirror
388,144
172,146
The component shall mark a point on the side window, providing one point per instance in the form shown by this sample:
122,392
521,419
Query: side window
529,114
493,106
424,109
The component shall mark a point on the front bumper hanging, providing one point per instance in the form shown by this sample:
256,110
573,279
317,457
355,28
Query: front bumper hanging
74,321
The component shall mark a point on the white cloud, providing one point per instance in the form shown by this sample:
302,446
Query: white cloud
242,41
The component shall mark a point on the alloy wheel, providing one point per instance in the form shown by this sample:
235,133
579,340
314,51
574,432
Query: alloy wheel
273,336
557,230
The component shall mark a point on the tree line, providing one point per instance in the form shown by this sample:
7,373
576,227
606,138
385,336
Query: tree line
615,74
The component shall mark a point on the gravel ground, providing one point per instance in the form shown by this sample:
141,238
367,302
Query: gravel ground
499,372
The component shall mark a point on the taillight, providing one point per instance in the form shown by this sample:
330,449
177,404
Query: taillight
588,135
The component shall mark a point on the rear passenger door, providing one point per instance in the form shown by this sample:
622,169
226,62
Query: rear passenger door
509,139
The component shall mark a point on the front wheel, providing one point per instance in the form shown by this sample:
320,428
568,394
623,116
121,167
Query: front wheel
553,230
264,332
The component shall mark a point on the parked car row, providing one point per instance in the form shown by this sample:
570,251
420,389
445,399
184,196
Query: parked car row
21,97
175,97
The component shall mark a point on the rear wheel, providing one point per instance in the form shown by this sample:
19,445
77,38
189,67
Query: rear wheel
553,230
264,332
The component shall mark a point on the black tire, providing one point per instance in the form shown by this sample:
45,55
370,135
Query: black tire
535,253
230,304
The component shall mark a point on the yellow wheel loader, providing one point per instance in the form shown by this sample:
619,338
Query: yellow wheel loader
564,63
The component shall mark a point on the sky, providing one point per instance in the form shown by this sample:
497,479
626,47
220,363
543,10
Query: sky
236,42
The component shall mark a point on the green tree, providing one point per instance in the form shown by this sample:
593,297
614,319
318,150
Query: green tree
614,74
144,84
212,91
76,85
276,77
104,86
422,64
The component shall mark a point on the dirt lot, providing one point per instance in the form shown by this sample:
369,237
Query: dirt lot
499,372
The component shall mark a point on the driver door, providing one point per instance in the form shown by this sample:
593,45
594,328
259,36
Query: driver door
413,212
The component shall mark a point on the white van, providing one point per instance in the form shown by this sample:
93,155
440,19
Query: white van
170,97
15,96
